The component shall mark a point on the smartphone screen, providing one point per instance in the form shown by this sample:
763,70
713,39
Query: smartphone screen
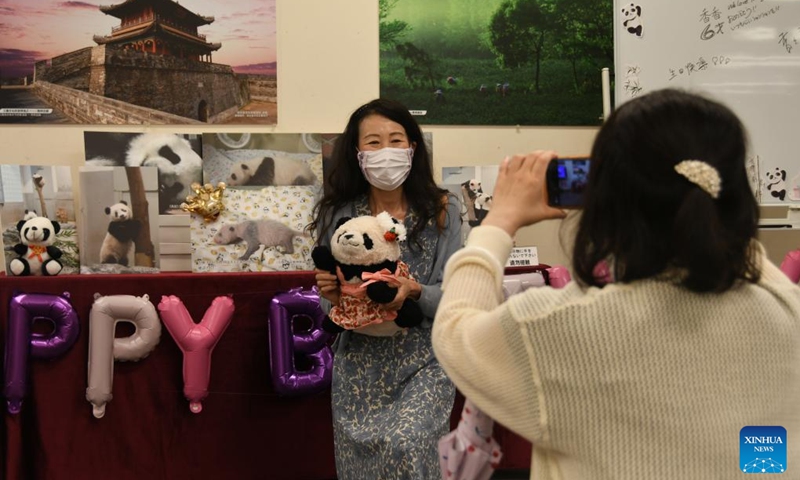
566,181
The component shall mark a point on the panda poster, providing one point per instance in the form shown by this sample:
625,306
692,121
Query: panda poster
189,62
258,160
495,62
176,156
260,230
473,186
119,220
38,198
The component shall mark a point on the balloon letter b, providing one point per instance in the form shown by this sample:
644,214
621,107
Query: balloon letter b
284,345
24,309
196,341
104,348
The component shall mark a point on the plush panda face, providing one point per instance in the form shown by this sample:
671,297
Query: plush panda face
119,212
38,231
368,240
178,165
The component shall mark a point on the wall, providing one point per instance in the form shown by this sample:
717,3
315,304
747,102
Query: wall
328,66
98,109
165,83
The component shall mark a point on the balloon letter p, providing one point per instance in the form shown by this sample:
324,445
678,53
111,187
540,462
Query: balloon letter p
24,309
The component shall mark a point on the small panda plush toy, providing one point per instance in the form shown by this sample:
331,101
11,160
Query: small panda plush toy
365,256
122,230
37,255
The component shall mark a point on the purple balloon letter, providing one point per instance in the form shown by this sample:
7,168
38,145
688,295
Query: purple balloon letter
24,309
312,343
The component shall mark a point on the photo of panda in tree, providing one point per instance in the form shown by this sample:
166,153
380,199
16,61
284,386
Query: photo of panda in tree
178,158
119,220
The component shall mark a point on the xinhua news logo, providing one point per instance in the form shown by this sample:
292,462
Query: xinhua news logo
762,449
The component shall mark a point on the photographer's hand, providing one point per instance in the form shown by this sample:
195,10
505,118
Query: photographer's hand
520,194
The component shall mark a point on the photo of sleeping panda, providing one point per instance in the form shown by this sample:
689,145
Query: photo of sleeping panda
270,172
177,158
266,160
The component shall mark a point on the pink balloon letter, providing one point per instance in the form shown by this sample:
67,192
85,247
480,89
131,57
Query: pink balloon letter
197,341
24,309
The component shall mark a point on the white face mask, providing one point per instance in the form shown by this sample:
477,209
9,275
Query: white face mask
386,168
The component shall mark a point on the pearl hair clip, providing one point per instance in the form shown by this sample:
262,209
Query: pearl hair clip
701,174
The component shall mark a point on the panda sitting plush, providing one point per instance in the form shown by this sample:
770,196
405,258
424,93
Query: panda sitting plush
122,230
37,255
365,256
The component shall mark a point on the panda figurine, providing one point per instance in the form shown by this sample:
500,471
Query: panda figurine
268,172
177,162
122,231
37,255
365,257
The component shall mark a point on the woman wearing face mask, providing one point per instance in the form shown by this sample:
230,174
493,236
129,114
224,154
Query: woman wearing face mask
391,399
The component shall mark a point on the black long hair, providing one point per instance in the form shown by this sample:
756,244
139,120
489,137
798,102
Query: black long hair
345,182
645,217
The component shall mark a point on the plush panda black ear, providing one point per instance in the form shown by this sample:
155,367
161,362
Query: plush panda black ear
108,210
341,222
56,226
123,202
20,224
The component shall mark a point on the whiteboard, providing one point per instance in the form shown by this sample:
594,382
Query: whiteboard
744,53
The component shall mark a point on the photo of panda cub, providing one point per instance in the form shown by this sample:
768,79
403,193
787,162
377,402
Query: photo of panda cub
268,172
117,246
177,158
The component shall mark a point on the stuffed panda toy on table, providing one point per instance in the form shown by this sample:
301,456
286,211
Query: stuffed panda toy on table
37,255
122,231
365,256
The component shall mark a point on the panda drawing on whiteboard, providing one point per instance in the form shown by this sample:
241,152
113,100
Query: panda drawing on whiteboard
632,19
268,172
178,164
122,230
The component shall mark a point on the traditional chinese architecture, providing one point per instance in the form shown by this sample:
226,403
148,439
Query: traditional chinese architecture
162,27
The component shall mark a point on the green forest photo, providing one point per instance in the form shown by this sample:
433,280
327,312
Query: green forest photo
497,62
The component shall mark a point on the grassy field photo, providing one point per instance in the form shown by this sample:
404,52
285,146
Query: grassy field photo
497,62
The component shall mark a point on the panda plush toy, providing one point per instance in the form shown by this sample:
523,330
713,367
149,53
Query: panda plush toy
122,231
365,256
37,255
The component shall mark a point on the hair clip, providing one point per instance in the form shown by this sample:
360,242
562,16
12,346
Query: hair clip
701,174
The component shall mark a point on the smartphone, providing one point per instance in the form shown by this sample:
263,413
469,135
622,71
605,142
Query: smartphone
566,181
